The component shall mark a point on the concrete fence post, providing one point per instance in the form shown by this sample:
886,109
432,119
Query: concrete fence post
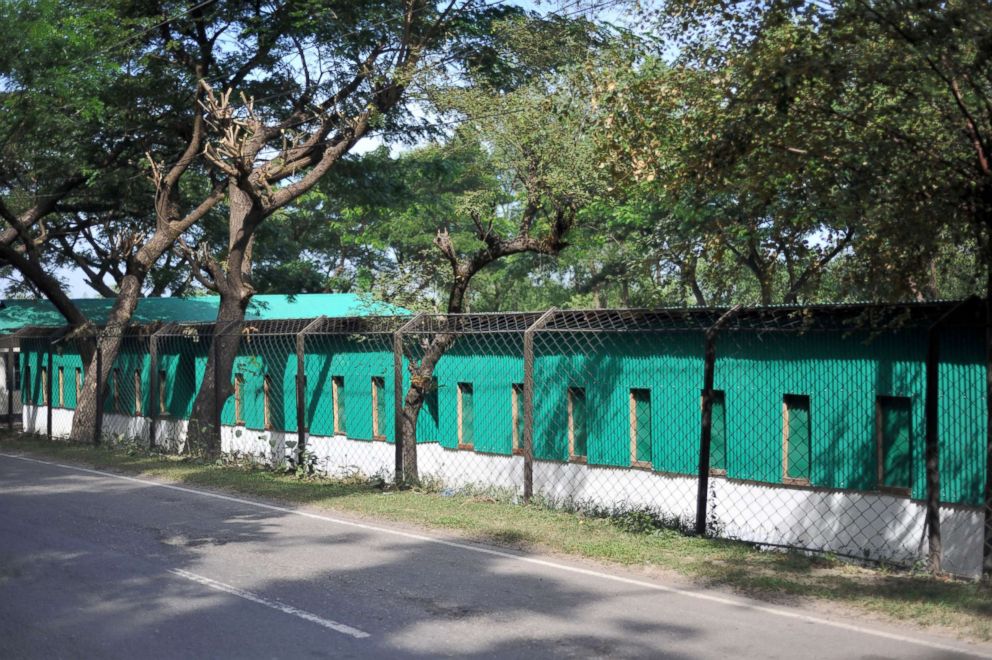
154,385
529,400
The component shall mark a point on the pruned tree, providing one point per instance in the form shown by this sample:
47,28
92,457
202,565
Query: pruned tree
352,77
536,139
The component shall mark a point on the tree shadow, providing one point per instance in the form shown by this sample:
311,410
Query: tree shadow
86,568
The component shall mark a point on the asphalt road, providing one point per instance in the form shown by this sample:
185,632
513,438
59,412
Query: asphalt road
99,565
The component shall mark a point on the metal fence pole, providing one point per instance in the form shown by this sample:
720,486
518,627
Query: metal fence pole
218,407
706,423
98,422
48,392
932,450
10,387
154,395
301,387
529,400
398,395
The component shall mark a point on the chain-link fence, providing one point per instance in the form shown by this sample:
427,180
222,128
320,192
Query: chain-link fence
10,381
469,370
854,430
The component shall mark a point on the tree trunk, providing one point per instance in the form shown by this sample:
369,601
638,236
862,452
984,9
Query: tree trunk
422,375
691,276
235,293
421,378
412,404
204,430
109,344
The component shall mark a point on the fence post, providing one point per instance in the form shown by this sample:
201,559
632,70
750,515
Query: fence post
48,392
98,422
154,395
218,407
706,423
529,400
398,394
301,387
932,450
10,387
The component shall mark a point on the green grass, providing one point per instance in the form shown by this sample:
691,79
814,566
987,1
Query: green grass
780,577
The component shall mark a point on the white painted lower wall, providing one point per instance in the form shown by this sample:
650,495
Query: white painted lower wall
872,526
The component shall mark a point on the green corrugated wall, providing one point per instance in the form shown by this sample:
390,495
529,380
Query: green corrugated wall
842,374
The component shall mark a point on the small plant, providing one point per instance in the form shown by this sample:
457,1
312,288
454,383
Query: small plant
306,467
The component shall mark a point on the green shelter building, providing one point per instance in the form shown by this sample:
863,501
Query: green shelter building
818,418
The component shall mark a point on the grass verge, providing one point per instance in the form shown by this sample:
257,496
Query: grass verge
783,577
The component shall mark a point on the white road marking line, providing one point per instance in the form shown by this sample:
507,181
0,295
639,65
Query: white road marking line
805,618
274,604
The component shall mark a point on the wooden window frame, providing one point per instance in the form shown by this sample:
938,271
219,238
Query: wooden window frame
116,391
61,381
517,412
79,383
239,399
267,402
468,446
44,387
569,396
163,380
138,401
337,404
786,479
633,428
880,449
377,433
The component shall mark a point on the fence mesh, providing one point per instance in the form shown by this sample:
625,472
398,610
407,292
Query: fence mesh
349,402
616,412
470,427
822,421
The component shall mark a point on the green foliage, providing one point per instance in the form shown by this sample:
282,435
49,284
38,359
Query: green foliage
521,134
802,121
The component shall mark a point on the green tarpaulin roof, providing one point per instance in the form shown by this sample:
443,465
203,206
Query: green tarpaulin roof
16,314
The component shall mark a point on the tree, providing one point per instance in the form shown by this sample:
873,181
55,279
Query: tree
352,65
714,173
61,153
536,140
887,95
